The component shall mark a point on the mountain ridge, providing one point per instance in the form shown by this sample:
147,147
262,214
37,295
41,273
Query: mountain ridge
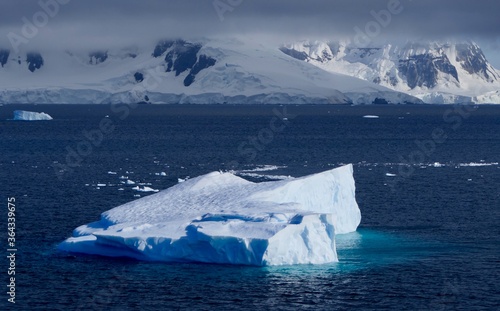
212,71
436,72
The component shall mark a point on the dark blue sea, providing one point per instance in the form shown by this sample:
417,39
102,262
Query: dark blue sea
427,179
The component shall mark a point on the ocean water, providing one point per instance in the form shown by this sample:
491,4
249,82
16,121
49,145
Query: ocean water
427,181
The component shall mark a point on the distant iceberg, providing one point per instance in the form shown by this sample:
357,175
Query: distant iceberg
30,115
223,218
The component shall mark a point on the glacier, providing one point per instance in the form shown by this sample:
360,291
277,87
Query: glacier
22,115
243,71
225,219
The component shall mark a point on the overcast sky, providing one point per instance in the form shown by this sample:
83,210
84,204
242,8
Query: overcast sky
110,23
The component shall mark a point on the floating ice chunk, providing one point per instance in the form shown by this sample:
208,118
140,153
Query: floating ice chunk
371,117
222,218
111,173
475,164
129,182
30,116
270,177
144,189
264,168
390,175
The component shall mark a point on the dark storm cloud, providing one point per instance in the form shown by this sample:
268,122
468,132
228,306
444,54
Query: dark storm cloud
417,17
118,22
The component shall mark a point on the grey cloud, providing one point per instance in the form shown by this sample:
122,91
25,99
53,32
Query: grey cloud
116,22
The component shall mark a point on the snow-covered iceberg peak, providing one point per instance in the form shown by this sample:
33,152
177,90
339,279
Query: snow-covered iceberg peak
222,218
30,115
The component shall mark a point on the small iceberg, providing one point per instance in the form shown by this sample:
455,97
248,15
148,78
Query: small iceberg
437,164
371,117
144,189
222,218
22,115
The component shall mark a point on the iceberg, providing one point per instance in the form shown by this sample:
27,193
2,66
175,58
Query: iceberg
30,115
222,218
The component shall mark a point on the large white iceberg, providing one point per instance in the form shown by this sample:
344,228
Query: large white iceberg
30,115
222,218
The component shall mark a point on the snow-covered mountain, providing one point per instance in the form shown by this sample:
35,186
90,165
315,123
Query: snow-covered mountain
436,72
178,71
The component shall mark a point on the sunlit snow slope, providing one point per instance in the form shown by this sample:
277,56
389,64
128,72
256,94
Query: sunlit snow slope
178,71
436,72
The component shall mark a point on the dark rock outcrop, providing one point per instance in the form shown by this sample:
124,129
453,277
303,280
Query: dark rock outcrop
34,60
4,56
98,57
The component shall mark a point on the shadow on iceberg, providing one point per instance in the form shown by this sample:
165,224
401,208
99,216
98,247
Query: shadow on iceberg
222,218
